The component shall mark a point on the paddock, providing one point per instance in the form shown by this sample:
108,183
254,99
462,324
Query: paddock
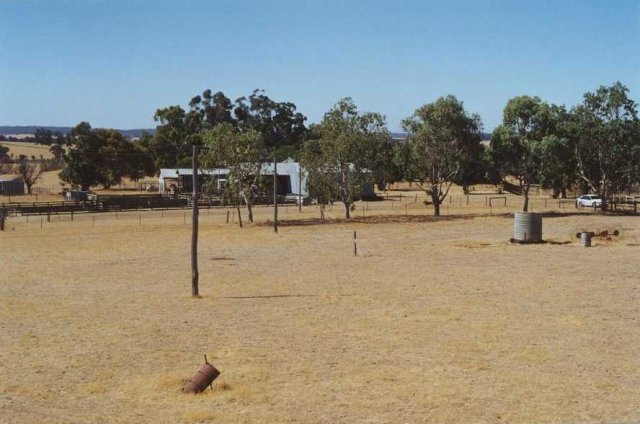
439,320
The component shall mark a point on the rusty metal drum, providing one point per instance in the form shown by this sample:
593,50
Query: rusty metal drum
201,379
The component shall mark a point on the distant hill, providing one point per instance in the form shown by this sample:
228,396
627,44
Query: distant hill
31,129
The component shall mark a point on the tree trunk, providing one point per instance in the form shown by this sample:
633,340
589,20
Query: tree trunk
436,208
347,210
525,208
605,204
247,202
435,199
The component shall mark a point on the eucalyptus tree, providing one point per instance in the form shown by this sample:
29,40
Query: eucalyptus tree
606,133
176,132
242,153
443,139
526,121
337,156
281,126
102,156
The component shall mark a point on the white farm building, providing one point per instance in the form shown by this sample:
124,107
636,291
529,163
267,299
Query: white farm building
292,180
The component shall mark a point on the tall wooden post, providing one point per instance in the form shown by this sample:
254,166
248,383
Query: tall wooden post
194,227
275,192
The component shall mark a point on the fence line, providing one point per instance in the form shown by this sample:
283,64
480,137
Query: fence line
226,215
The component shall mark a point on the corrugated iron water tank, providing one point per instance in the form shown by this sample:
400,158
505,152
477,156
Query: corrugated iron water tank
527,226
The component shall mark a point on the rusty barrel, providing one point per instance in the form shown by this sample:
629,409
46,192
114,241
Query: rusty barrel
201,379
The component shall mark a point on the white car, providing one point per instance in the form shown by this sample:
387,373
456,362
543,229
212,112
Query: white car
590,200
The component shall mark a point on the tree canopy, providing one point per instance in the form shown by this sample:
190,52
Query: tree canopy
239,151
606,133
102,156
337,157
444,145
282,128
526,121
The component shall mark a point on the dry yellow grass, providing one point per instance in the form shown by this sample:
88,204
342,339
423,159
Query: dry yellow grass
27,149
436,321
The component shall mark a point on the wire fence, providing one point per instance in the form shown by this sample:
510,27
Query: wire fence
396,207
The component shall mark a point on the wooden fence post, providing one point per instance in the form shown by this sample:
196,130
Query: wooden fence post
355,244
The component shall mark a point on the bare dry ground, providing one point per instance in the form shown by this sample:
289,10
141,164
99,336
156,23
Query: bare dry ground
434,321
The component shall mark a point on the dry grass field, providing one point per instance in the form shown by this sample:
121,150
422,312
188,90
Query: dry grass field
28,149
438,321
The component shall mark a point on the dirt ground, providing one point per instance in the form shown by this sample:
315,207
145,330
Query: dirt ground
439,321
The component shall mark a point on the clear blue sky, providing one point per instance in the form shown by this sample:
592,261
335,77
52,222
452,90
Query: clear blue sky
113,63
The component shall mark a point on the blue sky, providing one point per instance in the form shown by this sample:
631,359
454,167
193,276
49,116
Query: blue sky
113,63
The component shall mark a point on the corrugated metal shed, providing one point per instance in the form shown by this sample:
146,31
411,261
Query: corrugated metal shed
289,168
11,186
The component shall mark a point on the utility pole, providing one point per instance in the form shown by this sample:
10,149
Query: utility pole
275,192
194,227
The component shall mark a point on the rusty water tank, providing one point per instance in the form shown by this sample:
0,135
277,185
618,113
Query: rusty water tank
201,379
527,227
585,239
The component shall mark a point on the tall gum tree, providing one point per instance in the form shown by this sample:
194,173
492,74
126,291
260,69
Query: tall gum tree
337,157
526,121
443,138
606,135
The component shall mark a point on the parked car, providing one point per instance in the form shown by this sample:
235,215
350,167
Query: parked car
589,200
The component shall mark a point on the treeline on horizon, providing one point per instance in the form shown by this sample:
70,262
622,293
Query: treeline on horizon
593,146
44,134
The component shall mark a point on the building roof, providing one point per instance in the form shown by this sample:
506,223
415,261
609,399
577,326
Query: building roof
284,168
175,172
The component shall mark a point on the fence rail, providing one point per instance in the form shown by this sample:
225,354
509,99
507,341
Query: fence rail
104,203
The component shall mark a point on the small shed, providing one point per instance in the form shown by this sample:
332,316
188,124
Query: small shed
11,186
